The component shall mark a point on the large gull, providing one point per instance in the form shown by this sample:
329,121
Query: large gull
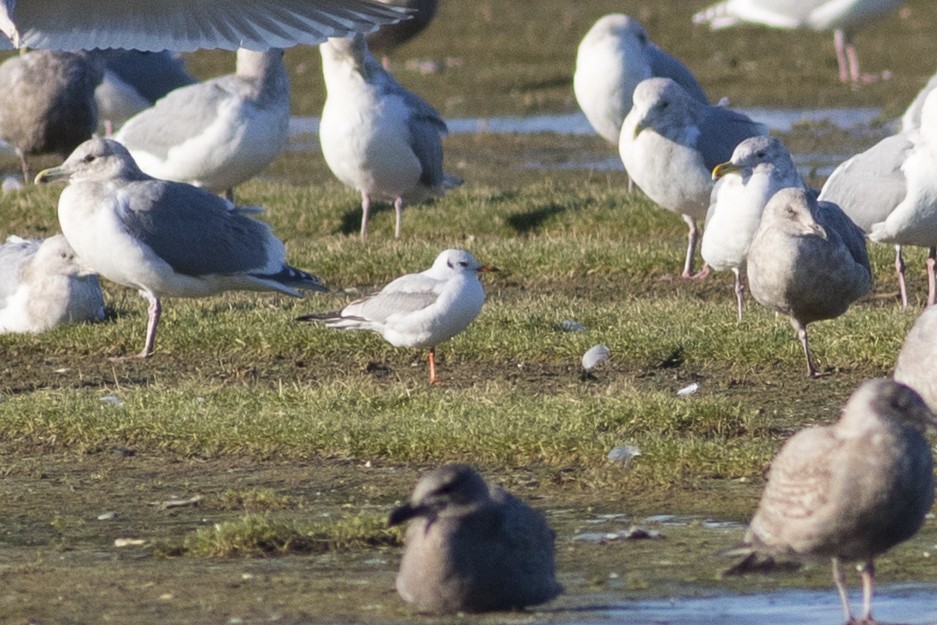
154,25
917,360
850,491
419,309
842,17
473,548
670,144
613,57
759,168
376,136
166,239
807,261
218,133
43,285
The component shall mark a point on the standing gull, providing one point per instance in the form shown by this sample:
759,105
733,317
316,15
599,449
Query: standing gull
670,144
808,261
759,168
842,17
852,490
917,360
42,286
376,136
614,56
473,548
419,309
164,238
218,133
155,25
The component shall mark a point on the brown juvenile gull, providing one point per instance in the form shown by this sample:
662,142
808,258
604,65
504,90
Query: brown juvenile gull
852,490
808,261
419,309
164,238
917,360
47,102
670,144
376,136
473,548
218,133
43,285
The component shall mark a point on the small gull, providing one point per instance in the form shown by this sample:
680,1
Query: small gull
388,37
43,285
154,25
670,144
808,261
614,56
843,18
852,490
218,133
47,102
473,548
419,309
759,168
166,239
376,136
917,360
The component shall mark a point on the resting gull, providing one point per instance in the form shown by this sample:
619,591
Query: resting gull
167,239
42,286
670,144
808,261
759,168
917,360
843,18
218,133
154,25
473,548
614,56
419,309
376,136
852,490
47,102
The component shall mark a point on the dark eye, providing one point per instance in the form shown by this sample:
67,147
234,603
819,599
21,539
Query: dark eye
760,154
88,158
463,263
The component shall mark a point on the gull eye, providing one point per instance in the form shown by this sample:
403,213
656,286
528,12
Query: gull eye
463,263
88,158
760,154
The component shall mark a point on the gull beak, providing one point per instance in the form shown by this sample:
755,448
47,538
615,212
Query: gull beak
639,127
52,174
723,169
487,269
404,513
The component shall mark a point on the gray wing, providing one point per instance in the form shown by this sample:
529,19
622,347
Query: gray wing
721,130
152,74
832,217
407,294
870,185
426,131
666,66
156,25
193,230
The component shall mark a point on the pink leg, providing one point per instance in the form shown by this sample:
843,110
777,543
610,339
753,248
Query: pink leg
24,164
398,213
805,343
739,292
432,367
691,246
867,571
931,278
899,267
839,578
365,210
839,42
153,312
853,59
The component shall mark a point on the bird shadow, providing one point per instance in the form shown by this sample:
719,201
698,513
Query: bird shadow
530,221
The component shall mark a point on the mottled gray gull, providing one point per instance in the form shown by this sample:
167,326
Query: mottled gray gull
166,239
419,309
917,360
473,548
43,285
614,56
47,102
670,144
852,490
218,133
376,136
843,18
759,168
155,25
807,261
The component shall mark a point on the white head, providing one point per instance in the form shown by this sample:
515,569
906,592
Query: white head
95,160
456,261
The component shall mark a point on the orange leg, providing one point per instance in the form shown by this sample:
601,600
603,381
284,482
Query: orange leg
432,366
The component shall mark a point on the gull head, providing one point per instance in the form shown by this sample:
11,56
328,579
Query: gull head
95,160
455,261
660,104
886,399
448,491
352,50
56,256
618,28
793,211
761,154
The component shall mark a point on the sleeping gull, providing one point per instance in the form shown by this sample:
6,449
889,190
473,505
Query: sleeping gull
388,37
917,360
47,102
473,548
155,25
42,286
759,168
167,239
843,18
218,133
376,136
670,144
852,490
614,56
808,261
419,309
